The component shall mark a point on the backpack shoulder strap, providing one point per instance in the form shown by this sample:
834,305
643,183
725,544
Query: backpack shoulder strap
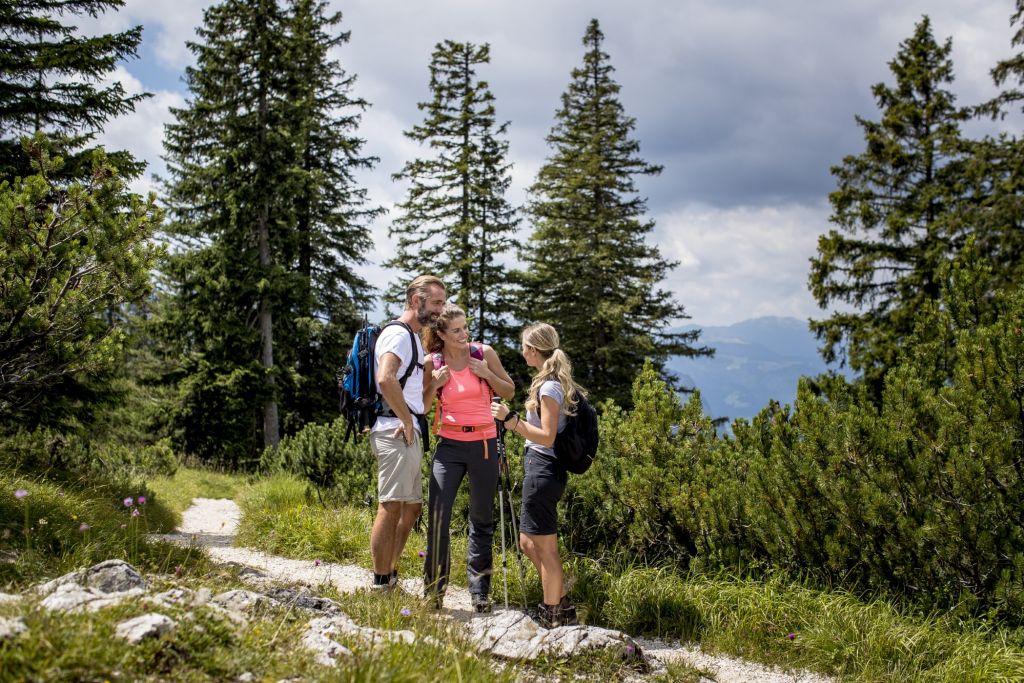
415,363
476,351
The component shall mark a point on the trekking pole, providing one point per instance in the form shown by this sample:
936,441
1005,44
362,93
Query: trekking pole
501,500
504,486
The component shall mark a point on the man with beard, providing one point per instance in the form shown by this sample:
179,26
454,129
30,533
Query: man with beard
400,430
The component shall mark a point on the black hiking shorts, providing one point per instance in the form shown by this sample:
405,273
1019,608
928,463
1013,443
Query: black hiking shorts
543,485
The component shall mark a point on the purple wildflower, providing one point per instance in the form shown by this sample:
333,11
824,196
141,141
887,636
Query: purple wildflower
405,612
316,563
83,527
141,500
135,512
792,636
20,493
630,650
127,502
422,554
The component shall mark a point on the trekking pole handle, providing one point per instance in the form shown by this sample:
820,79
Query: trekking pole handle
499,423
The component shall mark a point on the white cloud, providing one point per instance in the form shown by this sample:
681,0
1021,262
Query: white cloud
746,106
741,262
141,132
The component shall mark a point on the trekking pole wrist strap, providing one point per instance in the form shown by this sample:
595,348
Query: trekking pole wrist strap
510,415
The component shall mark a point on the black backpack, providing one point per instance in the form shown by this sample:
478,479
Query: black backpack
360,402
576,444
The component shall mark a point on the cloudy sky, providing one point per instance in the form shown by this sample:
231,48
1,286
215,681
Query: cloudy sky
746,104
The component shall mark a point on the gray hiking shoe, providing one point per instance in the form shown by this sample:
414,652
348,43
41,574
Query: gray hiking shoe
481,603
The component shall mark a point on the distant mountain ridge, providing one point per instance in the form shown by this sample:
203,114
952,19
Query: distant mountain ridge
755,360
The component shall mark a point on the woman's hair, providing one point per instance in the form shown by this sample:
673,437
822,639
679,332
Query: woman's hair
432,341
557,366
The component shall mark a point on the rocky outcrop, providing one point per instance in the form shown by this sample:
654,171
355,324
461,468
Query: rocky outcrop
147,626
318,637
514,635
102,585
12,628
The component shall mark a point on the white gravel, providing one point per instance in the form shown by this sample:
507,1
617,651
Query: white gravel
212,523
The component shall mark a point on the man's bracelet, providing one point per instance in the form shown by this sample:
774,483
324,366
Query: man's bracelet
510,415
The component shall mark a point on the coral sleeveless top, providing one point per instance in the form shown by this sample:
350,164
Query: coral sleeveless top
466,403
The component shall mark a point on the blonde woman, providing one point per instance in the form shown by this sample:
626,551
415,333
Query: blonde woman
463,376
552,397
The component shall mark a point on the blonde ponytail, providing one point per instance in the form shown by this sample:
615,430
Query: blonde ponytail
557,366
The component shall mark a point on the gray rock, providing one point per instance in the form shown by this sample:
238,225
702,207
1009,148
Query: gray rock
71,597
513,635
318,637
11,628
109,576
114,576
175,596
9,597
325,650
304,600
147,626
240,601
245,677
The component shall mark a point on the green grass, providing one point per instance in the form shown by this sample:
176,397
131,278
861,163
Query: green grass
206,647
66,522
280,515
832,631
780,622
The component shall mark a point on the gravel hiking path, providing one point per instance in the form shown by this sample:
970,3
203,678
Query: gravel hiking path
213,522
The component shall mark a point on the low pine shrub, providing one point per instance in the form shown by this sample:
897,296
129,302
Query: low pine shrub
346,471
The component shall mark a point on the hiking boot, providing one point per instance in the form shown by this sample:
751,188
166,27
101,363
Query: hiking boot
393,579
567,612
553,616
546,615
381,583
481,603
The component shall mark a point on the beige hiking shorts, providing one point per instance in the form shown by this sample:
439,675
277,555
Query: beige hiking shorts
399,468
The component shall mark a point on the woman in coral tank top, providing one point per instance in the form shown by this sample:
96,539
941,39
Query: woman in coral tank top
465,376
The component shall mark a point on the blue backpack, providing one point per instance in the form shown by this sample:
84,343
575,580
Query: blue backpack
359,401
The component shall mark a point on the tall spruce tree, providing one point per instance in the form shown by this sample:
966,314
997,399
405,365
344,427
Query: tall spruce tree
50,82
995,172
898,209
590,271
455,222
331,210
268,221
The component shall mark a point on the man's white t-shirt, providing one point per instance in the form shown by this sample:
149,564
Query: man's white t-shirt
395,339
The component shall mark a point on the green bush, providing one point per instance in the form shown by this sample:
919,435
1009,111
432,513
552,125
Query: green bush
921,496
45,450
319,454
640,497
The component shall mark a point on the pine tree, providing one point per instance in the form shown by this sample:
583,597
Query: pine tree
898,208
590,271
455,221
331,211
995,173
73,254
269,220
49,82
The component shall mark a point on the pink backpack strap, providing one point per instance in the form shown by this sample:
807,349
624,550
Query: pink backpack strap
476,351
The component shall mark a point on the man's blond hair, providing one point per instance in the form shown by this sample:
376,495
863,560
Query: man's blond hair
421,286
